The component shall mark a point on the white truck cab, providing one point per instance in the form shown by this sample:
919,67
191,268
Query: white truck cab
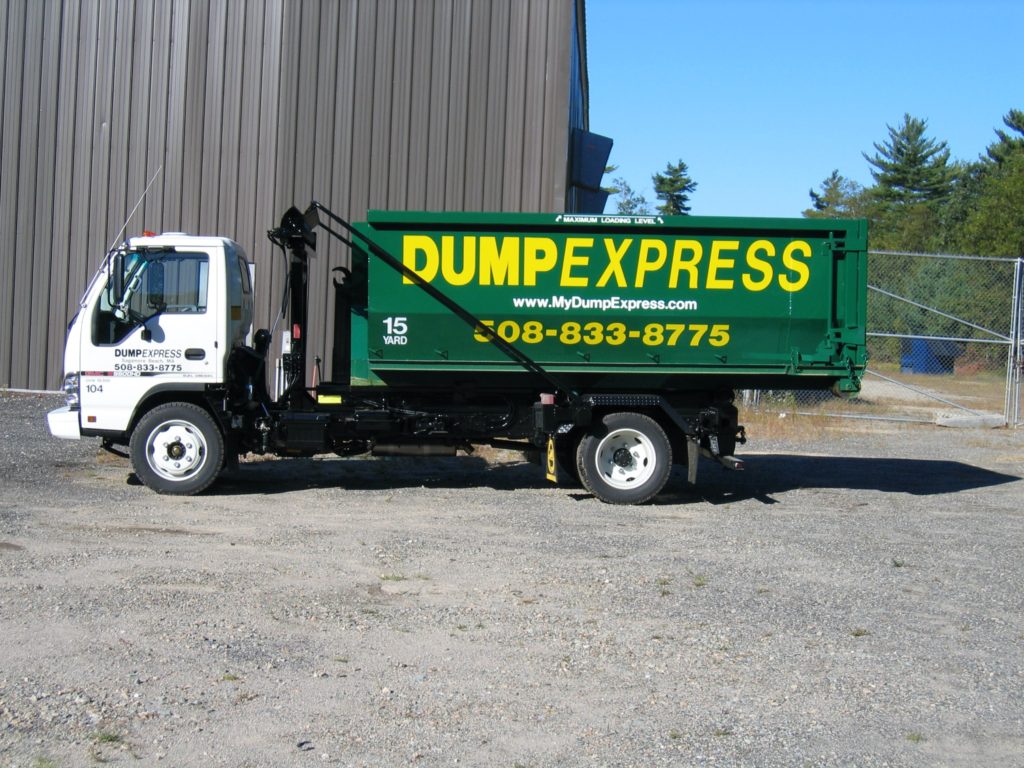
161,315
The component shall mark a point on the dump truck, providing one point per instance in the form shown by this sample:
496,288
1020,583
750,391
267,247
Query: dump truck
611,347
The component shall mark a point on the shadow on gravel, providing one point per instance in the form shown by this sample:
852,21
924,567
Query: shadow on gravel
764,477
767,475
269,477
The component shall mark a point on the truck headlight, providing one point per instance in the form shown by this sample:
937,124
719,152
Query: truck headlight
71,390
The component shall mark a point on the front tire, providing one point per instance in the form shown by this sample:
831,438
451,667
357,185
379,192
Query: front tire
177,449
625,459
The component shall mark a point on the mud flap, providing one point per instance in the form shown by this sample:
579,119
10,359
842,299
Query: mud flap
692,457
551,462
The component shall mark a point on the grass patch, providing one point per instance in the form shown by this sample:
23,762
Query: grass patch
915,738
663,582
772,425
775,418
700,580
393,577
723,732
674,734
227,677
859,632
107,737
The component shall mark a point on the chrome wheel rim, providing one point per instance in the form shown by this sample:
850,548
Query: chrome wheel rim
626,459
176,450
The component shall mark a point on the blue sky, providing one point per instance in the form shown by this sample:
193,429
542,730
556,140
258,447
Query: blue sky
762,100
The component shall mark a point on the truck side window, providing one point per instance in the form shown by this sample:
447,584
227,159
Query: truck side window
168,283
243,269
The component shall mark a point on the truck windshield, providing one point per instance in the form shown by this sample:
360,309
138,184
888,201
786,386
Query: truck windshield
155,282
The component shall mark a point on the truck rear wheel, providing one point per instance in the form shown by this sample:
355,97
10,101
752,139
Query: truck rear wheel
625,459
177,449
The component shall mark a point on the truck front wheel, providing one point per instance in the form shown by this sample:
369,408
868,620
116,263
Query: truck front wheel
177,449
625,459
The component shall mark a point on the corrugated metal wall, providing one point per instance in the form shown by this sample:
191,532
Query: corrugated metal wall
250,107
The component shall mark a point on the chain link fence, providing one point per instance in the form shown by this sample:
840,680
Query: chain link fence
944,343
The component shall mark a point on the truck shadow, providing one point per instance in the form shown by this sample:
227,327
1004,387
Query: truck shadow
378,474
764,477
768,475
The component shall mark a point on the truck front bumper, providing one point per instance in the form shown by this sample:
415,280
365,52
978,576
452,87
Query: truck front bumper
63,422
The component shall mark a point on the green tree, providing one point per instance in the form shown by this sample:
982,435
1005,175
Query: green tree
910,168
915,228
839,197
1008,144
674,187
969,178
995,224
629,202
983,215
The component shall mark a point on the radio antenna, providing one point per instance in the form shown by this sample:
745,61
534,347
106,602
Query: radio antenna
113,243
144,193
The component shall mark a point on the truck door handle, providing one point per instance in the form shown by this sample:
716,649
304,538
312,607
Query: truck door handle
195,354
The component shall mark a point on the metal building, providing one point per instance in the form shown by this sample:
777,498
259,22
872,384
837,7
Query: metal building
241,109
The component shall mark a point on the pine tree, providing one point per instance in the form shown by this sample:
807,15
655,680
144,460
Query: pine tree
839,197
995,223
1008,143
630,203
911,168
674,186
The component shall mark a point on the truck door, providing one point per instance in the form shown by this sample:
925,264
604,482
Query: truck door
165,332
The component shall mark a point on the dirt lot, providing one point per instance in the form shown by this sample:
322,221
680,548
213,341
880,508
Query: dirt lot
852,598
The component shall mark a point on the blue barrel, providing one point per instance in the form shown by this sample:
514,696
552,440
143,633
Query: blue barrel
933,357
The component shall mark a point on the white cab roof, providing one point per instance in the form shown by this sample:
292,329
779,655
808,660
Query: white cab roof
181,240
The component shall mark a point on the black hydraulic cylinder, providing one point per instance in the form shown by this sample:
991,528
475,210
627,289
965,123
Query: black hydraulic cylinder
294,235
341,354
298,277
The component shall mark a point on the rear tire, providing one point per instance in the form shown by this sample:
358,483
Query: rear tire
625,459
177,449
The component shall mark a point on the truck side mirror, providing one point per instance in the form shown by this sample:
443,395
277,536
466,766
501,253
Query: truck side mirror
117,278
155,286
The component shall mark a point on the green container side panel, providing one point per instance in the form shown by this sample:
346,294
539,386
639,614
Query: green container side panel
605,297
360,365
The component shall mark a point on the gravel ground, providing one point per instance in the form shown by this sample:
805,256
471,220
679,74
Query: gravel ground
854,599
